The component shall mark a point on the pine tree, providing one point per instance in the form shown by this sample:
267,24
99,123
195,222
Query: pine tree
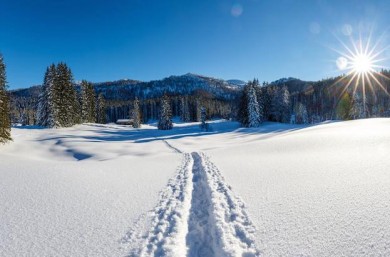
203,115
84,102
101,109
135,114
250,113
165,119
66,106
88,109
45,112
254,118
5,122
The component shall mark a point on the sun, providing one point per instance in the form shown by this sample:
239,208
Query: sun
362,63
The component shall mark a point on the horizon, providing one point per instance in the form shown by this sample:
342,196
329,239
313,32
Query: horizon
148,41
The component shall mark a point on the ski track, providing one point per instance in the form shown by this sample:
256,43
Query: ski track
197,215
177,150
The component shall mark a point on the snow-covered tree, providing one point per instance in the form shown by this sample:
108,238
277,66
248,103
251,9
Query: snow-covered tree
358,107
165,119
45,113
253,108
136,114
250,111
101,109
5,122
88,108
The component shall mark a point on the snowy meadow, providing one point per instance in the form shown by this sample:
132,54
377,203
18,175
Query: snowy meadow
276,190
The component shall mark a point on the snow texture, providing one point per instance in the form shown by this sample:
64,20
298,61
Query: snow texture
110,190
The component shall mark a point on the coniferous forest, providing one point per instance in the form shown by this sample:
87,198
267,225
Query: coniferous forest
61,102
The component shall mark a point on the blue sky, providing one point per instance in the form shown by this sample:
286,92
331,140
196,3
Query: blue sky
108,40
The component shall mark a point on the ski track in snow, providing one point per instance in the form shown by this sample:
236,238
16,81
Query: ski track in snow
197,215
177,150
168,228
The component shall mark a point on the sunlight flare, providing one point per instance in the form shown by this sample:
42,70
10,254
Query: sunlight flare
361,60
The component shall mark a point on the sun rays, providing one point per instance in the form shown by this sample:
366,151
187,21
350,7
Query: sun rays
362,60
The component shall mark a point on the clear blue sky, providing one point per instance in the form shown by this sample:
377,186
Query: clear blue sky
105,40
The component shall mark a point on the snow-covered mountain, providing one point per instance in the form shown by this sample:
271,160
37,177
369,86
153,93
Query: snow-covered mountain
186,84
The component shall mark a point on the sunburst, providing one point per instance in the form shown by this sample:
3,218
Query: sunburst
362,61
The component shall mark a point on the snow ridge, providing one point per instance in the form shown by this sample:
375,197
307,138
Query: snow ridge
198,215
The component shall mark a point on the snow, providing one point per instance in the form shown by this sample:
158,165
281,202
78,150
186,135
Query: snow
276,190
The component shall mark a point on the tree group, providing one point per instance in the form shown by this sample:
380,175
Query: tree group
60,104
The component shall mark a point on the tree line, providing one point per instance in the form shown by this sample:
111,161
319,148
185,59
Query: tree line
62,103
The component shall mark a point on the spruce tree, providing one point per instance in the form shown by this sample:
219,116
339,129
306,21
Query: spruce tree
88,109
45,112
5,122
203,125
250,113
135,114
65,100
84,102
101,109
253,107
165,119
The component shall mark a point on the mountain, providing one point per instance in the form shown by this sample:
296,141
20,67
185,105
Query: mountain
294,85
186,84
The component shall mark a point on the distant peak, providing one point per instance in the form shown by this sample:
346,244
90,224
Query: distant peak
283,80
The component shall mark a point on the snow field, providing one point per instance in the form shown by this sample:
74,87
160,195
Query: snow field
93,190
